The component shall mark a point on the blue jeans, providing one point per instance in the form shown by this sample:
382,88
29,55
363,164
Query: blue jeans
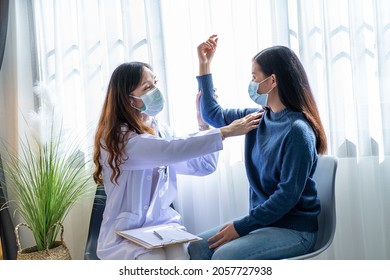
268,243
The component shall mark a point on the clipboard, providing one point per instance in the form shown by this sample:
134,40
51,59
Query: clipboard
158,236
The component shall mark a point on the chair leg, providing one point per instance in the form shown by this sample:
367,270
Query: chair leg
1,251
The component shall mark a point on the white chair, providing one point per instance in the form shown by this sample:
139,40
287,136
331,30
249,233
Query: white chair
325,177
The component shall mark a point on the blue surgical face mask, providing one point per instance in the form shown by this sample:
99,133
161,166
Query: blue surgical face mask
153,102
259,98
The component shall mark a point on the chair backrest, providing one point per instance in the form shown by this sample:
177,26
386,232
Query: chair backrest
325,176
99,204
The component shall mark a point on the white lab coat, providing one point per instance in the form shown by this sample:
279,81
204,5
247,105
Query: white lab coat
132,203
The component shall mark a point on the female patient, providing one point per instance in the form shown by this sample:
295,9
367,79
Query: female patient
280,158
137,160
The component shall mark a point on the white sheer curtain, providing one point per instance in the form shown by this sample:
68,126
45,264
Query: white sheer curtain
16,97
75,45
343,44
78,45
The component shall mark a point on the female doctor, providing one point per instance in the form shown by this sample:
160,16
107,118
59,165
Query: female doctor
137,160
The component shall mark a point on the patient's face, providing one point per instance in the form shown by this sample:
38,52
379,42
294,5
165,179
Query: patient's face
257,75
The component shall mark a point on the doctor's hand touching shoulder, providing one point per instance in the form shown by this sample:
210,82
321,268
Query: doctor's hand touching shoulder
137,158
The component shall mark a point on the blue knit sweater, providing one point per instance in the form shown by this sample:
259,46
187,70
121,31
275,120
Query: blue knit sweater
280,160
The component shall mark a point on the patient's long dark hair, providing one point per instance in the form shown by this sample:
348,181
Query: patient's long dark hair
293,86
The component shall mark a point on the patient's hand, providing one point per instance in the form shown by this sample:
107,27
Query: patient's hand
226,234
206,52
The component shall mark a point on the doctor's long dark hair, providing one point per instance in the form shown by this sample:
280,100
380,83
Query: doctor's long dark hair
293,86
116,114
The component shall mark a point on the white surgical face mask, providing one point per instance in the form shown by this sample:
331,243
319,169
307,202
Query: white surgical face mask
259,98
153,102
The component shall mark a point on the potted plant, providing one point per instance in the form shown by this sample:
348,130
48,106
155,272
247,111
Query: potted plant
46,178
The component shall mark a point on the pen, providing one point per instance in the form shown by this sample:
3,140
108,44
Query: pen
158,235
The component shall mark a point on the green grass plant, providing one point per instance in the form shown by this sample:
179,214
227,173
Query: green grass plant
46,180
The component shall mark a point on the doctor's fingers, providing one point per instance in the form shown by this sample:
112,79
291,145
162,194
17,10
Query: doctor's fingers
254,116
251,121
198,95
242,126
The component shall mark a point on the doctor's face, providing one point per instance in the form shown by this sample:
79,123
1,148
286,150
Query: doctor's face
147,83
